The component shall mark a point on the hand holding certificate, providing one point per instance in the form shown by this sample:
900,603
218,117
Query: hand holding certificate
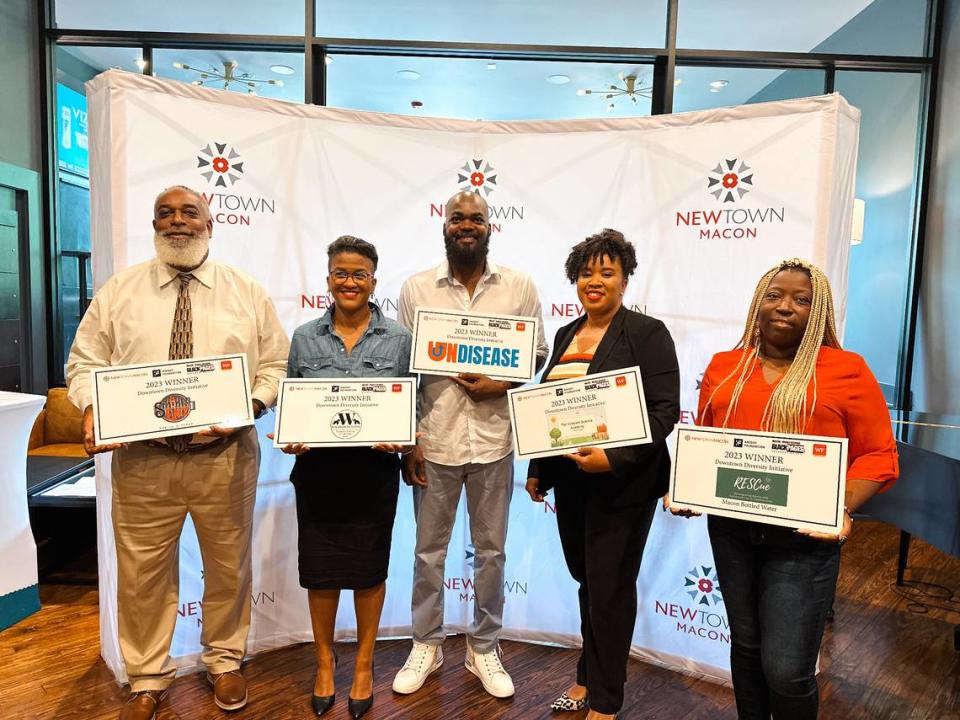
148,402
446,342
333,412
604,410
795,481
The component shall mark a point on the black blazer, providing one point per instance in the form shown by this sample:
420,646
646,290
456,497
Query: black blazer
638,472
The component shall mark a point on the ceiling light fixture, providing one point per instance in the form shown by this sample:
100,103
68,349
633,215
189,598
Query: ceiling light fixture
630,89
282,69
719,84
327,59
140,63
491,66
558,79
228,77
408,74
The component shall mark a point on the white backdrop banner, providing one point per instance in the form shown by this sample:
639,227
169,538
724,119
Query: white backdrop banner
710,199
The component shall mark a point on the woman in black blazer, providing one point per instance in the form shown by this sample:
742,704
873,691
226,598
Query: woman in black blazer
605,499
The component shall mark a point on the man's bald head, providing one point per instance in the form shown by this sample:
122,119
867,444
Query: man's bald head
468,197
199,200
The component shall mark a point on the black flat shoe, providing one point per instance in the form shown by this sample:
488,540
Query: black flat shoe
322,704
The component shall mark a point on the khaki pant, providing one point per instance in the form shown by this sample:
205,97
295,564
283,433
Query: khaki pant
153,490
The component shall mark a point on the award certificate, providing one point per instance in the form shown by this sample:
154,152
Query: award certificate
605,410
146,402
333,412
796,481
447,342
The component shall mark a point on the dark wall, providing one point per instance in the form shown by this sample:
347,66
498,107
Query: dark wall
936,377
19,84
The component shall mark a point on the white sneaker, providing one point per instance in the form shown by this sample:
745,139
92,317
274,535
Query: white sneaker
488,668
422,661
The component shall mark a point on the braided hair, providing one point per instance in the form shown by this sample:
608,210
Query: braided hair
786,410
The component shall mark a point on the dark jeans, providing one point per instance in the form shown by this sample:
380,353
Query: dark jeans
777,587
603,547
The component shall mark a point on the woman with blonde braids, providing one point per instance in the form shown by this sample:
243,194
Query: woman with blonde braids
789,375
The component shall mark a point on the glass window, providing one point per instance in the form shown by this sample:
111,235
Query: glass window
239,17
277,75
74,66
862,27
638,23
886,182
702,88
479,89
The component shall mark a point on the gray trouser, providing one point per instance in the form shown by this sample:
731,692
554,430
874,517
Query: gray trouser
489,488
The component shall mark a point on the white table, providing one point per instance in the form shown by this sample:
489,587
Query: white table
18,569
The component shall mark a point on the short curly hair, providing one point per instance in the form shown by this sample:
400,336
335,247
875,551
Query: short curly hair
609,243
351,244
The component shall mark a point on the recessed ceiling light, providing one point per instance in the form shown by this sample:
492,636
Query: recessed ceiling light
491,66
678,82
719,84
558,79
140,63
327,59
282,69
408,74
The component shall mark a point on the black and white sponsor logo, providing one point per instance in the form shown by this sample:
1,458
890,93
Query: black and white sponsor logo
346,424
790,446
600,384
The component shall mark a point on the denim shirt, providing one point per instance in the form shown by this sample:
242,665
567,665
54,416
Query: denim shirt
383,350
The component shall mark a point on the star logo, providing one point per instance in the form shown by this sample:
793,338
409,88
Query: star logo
219,164
702,586
477,176
729,180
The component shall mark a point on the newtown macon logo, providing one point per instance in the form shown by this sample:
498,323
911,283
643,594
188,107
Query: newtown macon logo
728,180
220,166
702,586
700,617
476,176
479,176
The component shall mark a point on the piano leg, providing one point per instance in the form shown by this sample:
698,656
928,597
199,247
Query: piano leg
902,556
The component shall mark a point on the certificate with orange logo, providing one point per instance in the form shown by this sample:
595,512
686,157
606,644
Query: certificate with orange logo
604,410
176,397
795,481
448,342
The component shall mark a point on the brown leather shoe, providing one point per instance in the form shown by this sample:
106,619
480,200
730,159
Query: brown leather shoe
142,705
229,690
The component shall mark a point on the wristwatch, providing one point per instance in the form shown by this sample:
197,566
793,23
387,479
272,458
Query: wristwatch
258,409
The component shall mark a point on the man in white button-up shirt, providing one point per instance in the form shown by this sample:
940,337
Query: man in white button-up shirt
465,443
211,475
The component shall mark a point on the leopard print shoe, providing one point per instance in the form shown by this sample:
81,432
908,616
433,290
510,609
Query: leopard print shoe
565,703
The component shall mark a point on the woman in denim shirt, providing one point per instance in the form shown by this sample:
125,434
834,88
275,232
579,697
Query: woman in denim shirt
347,497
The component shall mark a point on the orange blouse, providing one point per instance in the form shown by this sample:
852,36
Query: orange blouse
849,404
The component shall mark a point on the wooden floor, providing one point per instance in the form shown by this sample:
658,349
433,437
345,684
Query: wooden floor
881,660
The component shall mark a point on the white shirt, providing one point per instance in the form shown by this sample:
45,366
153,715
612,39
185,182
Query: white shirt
456,430
130,319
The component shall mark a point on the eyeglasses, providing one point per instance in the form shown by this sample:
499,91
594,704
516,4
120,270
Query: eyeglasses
359,276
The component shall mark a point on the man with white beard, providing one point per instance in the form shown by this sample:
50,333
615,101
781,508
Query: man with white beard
177,306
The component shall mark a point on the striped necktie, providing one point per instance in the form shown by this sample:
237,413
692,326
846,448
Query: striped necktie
181,344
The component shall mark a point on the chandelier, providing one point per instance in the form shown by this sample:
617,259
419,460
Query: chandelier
228,77
628,87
